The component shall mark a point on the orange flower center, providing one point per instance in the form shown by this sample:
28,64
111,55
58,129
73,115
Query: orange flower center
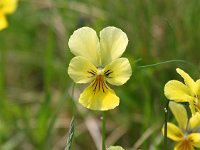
99,84
186,144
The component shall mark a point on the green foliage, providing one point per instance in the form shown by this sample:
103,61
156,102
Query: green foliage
36,100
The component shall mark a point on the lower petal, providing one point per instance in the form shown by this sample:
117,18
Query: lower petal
195,139
3,22
184,145
100,99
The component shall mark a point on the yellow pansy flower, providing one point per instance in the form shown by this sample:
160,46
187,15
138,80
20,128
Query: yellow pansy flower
98,62
115,148
188,92
6,7
187,134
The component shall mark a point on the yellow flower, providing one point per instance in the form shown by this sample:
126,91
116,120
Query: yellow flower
98,62
188,92
6,7
188,133
115,148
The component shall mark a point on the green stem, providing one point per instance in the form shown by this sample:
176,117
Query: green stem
165,127
2,75
103,130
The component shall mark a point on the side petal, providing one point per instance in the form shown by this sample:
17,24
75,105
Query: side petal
118,71
98,99
81,70
3,22
179,113
113,42
177,91
84,42
187,79
194,122
195,139
9,6
173,132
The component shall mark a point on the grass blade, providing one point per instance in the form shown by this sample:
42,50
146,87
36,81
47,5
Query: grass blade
70,135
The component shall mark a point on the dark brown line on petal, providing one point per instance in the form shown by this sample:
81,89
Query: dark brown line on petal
107,73
92,72
103,87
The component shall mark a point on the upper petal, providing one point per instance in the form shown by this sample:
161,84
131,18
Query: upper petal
98,96
177,91
118,71
194,122
84,42
173,132
179,113
195,139
113,42
8,6
3,22
187,79
81,70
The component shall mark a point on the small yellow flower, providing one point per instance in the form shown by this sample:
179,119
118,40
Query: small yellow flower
188,133
188,92
6,7
98,62
115,148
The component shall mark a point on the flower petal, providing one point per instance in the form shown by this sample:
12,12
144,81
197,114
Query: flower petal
8,6
195,139
179,113
177,91
81,70
3,22
187,79
113,42
115,148
84,42
98,96
184,145
173,132
194,122
197,89
118,71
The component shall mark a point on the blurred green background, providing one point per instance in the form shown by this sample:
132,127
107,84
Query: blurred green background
37,100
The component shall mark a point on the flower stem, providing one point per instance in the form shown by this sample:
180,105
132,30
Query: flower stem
165,127
103,130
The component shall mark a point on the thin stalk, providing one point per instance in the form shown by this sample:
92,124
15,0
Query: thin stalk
104,131
70,134
165,127
2,75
